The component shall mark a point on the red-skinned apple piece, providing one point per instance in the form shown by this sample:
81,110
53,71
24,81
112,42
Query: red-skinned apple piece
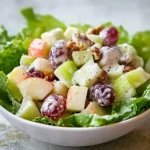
39,48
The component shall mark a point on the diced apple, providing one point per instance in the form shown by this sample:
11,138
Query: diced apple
95,108
76,98
60,88
115,71
128,51
52,36
36,88
42,65
70,31
28,109
18,74
39,48
26,60
87,74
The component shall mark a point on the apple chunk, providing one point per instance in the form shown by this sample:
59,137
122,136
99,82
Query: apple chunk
28,110
42,65
35,88
76,98
52,36
95,108
39,48
17,74
60,88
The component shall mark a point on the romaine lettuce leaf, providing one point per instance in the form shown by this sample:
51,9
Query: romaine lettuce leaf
83,27
141,42
3,35
37,24
10,96
10,54
44,120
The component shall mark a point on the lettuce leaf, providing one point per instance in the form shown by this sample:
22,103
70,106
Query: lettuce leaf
141,42
37,24
3,35
10,96
44,120
83,27
10,54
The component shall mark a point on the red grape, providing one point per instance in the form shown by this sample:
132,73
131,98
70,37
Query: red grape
35,73
59,53
102,93
53,106
109,36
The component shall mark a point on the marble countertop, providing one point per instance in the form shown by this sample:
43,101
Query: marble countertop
134,15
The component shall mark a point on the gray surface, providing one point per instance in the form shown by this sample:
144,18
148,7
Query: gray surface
134,15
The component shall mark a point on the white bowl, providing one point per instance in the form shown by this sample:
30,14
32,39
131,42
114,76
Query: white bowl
67,136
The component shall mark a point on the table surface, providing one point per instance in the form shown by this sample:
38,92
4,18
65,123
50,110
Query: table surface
134,15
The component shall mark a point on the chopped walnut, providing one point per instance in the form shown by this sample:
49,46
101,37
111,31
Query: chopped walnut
72,46
128,68
95,31
104,77
82,41
96,53
50,77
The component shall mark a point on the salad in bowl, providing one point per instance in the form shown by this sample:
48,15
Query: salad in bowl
75,76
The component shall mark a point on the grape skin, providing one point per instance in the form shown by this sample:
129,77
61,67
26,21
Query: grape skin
53,106
102,93
109,36
59,53
35,73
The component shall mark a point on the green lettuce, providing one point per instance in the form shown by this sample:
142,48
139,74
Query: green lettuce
10,96
141,42
10,54
44,120
82,27
37,24
3,35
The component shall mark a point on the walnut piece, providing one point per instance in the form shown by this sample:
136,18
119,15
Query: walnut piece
96,30
104,77
96,53
128,68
